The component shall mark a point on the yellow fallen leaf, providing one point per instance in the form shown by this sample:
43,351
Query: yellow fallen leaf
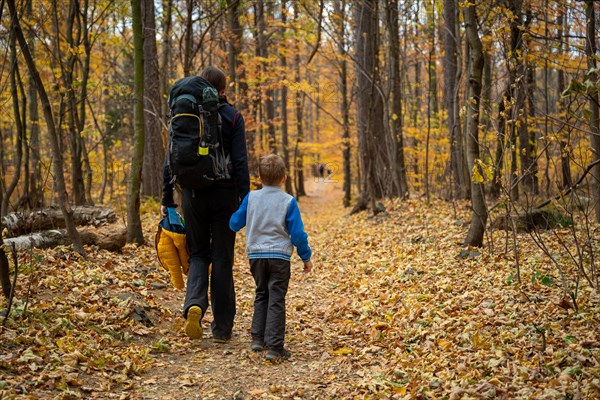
343,351
399,390
444,344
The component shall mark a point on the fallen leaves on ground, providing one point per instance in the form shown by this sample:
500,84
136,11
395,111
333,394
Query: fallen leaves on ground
395,308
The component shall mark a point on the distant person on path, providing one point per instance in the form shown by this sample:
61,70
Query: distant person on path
207,212
273,227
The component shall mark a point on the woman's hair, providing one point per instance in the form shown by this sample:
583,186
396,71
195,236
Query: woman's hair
271,169
216,77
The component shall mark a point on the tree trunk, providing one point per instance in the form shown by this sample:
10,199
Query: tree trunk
4,265
451,88
285,151
19,126
591,52
340,27
565,156
263,49
67,64
165,66
431,64
52,218
107,237
59,178
154,152
396,111
134,223
369,101
479,214
36,189
496,186
298,160
531,181
187,39
83,99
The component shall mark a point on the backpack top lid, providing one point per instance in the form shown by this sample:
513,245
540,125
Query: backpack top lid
197,86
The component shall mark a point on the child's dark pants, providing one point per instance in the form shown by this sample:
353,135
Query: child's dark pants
272,277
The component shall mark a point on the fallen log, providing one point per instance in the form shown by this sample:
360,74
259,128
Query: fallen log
51,218
108,237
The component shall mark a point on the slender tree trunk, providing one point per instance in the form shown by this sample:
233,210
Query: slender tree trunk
154,152
431,64
396,82
59,177
4,265
36,195
496,186
369,101
565,156
340,27
234,46
298,157
450,69
20,129
87,45
263,48
166,54
67,66
284,98
187,40
591,52
530,146
479,214
134,223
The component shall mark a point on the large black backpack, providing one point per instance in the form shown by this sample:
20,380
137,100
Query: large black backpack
195,155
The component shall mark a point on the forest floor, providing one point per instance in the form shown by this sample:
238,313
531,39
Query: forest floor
394,308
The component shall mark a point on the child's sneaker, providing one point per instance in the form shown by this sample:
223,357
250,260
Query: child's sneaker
257,344
278,355
193,327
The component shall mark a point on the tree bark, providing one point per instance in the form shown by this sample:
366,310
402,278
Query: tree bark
59,177
396,111
479,214
165,66
154,152
451,71
134,223
4,265
107,237
565,156
298,157
591,52
187,41
263,49
19,126
340,28
52,218
285,151
36,189
369,101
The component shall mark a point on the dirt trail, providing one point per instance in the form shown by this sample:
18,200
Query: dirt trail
206,370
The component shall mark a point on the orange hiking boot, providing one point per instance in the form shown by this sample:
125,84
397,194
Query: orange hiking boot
193,326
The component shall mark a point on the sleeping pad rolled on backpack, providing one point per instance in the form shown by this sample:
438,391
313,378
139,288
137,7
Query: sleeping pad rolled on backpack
171,247
196,156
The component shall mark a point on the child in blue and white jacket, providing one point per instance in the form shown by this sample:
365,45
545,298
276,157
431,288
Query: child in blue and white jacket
273,227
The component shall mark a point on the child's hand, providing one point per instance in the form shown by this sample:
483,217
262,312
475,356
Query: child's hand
307,266
163,211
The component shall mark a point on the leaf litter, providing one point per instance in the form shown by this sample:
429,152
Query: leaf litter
395,308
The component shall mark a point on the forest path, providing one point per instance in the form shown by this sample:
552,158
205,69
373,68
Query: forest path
206,370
